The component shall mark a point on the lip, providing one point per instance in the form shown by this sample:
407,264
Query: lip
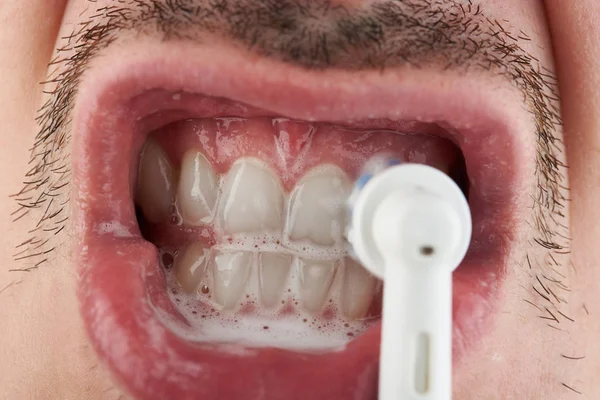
119,278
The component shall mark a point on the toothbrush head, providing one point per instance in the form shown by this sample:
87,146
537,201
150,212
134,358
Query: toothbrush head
414,210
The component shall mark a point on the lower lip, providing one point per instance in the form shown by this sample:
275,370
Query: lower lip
120,280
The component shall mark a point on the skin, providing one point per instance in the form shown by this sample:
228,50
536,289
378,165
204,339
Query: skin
45,352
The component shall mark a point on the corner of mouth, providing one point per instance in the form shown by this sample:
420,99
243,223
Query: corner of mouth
121,281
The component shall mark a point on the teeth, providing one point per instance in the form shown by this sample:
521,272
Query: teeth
155,183
317,207
231,272
198,187
190,266
358,289
253,199
273,272
316,278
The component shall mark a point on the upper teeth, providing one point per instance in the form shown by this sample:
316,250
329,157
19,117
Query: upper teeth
252,199
317,207
155,182
197,190
303,248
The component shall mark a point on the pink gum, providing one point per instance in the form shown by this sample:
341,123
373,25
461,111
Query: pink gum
292,148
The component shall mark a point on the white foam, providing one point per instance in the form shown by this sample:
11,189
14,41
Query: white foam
115,228
270,242
288,333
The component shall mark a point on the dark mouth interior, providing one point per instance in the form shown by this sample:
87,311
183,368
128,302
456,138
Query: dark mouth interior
458,173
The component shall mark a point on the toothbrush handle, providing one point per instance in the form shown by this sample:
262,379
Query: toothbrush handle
416,340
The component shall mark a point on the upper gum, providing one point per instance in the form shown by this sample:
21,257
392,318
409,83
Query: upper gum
225,140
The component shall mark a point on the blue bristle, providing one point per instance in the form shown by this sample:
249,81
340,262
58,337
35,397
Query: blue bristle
362,180
393,161
372,167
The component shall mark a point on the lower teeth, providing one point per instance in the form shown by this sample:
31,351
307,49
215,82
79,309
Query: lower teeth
287,324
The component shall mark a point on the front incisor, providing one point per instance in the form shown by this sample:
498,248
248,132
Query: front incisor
317,210
252,199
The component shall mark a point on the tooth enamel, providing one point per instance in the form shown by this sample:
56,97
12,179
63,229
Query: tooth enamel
155,182
316,278
198,188
317,207
190,266
358,289
273,272
231,271
252,199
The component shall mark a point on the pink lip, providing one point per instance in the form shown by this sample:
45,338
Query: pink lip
120,281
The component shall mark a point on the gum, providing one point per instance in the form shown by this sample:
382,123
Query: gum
292,148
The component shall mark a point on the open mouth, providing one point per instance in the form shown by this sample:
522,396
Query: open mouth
210,209
248,216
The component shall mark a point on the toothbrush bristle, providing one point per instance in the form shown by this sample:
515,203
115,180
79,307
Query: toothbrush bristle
372,167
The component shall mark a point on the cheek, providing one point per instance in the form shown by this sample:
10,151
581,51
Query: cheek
577,51
44,335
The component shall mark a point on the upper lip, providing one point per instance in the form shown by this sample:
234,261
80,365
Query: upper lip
115,98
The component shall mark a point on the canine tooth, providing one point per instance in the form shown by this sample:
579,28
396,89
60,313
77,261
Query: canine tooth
252,199
231,272
317,207
155,182
198,188
358,290
273,272
190,266
316,278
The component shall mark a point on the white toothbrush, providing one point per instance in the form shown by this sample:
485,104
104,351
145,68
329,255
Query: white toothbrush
410,225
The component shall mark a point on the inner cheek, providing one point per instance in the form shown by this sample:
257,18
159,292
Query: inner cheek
248,217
